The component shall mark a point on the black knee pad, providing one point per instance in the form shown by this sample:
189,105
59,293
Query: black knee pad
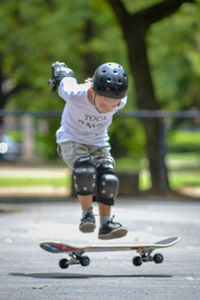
84,176
108,184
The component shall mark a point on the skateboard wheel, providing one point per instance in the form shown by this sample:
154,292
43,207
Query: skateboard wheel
137,261
63,263
84,261
158,258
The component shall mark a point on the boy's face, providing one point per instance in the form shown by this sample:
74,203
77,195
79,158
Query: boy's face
105,104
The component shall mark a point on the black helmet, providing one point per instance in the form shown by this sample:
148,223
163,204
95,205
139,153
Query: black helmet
110,80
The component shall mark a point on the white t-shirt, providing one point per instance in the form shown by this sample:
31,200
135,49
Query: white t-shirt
81,122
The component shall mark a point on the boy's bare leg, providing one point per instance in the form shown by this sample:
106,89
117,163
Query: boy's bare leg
85,201
104,210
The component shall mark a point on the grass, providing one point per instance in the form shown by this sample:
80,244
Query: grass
21,181
128,164
184,170
184,141
179,179
183,161
176,179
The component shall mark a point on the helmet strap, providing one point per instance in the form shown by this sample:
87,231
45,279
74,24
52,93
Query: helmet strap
93,97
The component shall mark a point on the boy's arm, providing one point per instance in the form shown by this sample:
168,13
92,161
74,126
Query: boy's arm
59,71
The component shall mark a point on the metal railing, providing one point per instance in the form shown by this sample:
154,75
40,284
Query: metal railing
183,114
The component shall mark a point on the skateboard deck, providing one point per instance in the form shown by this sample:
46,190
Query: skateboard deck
76,252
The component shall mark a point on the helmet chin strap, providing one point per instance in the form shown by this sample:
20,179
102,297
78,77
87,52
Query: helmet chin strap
93,98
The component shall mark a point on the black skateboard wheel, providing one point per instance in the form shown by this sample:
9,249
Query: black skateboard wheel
158,258
63,263
84,261
137,261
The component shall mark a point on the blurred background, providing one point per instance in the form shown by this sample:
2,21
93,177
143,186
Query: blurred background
155,139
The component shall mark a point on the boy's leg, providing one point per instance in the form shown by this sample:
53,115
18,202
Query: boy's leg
108,228
88,220
85,201
107,188
104,210
85,178
72,152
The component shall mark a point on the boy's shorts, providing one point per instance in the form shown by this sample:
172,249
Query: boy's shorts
70,151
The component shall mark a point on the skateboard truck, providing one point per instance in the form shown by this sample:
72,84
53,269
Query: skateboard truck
76,259
145,256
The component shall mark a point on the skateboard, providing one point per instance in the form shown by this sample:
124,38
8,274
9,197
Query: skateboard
76,253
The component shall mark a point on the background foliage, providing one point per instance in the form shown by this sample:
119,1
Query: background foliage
35,33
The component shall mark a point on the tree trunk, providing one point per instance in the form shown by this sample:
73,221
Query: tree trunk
135,27
146,101
90,59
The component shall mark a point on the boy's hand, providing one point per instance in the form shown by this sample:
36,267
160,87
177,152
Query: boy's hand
88,80
55,77
59,71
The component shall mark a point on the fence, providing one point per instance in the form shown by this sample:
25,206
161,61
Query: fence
27,127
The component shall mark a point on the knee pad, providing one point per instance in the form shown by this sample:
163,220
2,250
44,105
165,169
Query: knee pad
84,176
108,184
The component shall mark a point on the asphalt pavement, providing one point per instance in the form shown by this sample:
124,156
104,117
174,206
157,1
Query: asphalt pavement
28,272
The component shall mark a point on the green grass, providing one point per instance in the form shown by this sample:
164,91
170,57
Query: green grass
184,170
183,161
9,181
144,181
176,179
128,164
184,141
179,179
175,161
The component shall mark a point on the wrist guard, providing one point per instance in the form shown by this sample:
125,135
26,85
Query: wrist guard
59,71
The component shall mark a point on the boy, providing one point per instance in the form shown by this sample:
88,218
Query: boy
83,140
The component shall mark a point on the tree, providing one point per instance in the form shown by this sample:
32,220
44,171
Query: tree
135,27
83,33
33,35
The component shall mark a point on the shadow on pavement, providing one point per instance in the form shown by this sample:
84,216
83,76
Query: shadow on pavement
85,276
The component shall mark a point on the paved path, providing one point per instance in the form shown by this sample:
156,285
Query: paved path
32,172
28,272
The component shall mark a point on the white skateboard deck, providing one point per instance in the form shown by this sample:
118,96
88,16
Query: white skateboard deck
57,247
76,252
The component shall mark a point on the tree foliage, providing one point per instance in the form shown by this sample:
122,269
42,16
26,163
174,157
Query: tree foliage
35,33
85,33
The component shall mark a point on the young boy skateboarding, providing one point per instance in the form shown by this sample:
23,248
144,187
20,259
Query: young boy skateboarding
83,141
